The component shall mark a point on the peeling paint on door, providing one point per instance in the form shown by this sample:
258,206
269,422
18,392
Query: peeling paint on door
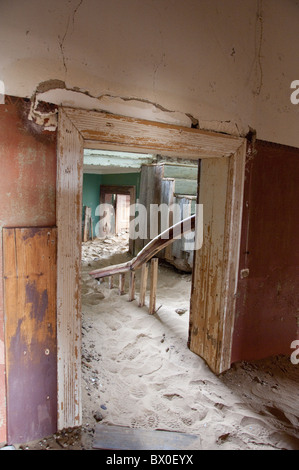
30,332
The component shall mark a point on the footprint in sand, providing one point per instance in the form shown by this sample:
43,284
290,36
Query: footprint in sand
139,392
286,418
152,421
112,324
284,441
171,396
200,413
172,423
93,299
129,353
254,425
145,421
187,420
85,290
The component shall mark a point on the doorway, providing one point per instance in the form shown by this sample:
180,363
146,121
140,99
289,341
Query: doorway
116,219
221,189
118,333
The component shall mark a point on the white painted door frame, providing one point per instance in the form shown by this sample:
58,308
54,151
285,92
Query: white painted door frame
216,264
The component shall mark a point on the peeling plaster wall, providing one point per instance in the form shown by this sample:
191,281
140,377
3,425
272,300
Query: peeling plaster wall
228,64
28,193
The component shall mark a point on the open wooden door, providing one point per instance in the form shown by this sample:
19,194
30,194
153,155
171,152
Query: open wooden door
122,221
215,273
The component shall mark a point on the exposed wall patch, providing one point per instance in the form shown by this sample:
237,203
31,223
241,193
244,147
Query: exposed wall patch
57,93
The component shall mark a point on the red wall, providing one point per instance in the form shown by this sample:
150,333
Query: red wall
27,191
268,299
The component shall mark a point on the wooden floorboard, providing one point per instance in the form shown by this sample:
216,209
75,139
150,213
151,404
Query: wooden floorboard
123,438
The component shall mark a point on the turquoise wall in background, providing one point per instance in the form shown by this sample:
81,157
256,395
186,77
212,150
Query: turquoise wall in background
92,186
91,195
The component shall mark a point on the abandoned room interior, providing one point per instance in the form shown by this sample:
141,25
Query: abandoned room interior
149,259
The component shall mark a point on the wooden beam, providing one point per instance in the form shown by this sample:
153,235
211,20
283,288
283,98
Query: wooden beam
121,289
69,223
121,438
110,282
132,286
143,284
153,285
188,172
102,130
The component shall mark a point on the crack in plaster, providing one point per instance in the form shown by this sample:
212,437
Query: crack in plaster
61,41
156,68
194,121
260,21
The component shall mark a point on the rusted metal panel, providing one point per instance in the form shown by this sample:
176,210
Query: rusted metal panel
29,265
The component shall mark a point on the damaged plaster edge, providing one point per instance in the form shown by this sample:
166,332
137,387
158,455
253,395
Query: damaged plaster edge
223,127
56,93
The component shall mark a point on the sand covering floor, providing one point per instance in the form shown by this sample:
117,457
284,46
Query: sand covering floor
137,371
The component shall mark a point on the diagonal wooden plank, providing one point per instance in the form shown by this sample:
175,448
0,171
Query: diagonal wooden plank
151,249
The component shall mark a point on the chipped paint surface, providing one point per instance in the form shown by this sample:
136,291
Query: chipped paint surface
69,217
100,129
30,332
38,300
28,193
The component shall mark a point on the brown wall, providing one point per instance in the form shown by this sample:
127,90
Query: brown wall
268,299
27,187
